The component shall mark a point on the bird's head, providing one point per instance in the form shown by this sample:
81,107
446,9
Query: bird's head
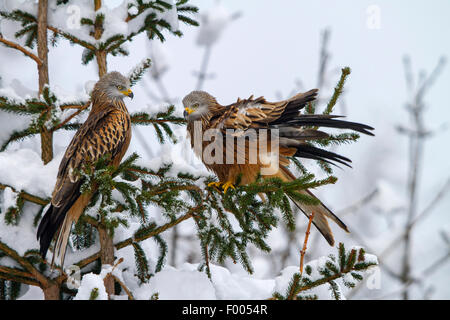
197,104
114,86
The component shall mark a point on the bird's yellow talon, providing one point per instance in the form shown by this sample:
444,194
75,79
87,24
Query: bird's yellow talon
214,184
227,185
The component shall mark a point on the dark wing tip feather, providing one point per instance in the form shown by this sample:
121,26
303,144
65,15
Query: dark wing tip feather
331,122
295,104
311,152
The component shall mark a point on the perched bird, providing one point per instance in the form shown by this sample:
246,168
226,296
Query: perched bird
107,130
203,112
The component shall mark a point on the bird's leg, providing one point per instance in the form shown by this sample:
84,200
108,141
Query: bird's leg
227,185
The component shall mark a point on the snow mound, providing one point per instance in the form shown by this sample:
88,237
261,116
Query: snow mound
91,282
24,171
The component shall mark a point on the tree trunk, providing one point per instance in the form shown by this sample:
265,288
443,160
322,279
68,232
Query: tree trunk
97,4
100,55
101,62
42,47
106,256
52,292
106,241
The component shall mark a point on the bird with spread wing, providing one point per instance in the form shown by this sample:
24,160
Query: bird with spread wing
107,130
203,113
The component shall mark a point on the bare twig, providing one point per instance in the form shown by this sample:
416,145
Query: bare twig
416,143
398,240
303,251
359,204
324,58
203,69
124,287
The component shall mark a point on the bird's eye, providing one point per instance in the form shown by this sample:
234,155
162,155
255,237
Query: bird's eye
195,105
119,87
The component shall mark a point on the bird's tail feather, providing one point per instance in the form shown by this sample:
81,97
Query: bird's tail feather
321,212
321,216
54,218
55,221
48,226
61,240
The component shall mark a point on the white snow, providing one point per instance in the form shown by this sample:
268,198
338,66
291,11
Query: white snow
174,156
32,293
21,237
178,285
232,286
10,124
89,282
10,94
9,199
24,170
66,17
186,282
69,97
133,10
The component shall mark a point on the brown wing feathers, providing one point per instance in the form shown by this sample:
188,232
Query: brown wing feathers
295,104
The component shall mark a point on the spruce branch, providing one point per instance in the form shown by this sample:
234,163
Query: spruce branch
351,262
160,122
63,123
148,233
17,275
19,135
25,264
138,71
337,90
71,38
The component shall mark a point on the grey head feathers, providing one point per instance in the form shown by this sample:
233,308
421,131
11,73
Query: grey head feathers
197,103
114,85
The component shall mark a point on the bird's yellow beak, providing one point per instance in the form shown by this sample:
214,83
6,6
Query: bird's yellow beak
188,110
128,93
